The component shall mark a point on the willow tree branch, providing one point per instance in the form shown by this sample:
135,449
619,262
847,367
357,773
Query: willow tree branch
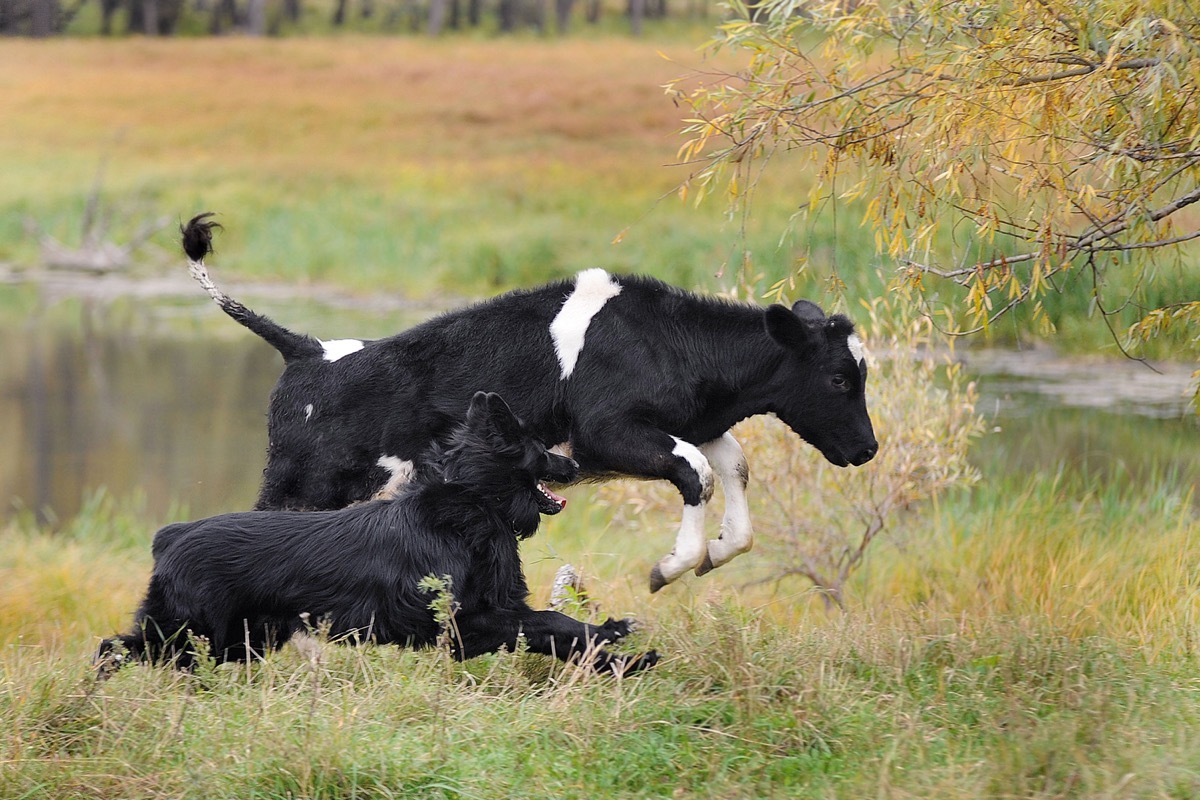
1085,242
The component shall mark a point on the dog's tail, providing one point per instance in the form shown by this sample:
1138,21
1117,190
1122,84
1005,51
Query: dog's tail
197,243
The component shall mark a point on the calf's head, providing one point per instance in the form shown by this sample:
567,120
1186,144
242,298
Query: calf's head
819,388
493,457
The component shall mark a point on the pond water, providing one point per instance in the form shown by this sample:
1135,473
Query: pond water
164,399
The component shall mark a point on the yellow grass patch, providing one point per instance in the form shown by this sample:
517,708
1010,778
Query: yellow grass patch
347,106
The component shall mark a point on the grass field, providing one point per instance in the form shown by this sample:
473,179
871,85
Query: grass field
1035,637
1031,640
378,164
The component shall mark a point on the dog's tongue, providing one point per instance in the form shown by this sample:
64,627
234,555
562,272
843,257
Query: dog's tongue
562,501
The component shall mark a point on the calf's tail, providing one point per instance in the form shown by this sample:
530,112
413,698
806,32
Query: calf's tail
197,243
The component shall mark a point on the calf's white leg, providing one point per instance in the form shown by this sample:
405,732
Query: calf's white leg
737,534
690,551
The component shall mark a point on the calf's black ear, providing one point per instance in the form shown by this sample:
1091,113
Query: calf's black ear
808,310
790,328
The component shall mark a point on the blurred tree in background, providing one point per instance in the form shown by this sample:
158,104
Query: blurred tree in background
40,18
996,149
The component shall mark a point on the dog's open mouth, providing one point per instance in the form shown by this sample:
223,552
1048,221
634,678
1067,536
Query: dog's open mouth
548,501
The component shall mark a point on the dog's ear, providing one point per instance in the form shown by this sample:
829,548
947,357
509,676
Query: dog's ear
477,410
503,421
489,412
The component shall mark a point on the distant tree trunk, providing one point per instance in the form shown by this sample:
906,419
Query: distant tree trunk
562,14
437,17
292,10
474,12
455,21
256,18
150,17
339,14
637,13
506,11
43,17
593,11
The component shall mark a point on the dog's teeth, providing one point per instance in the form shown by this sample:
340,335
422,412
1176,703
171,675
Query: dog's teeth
559,501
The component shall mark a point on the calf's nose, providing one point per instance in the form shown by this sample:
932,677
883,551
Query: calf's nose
865,455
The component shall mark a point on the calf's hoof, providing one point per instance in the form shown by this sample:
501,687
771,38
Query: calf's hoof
706,566
657,581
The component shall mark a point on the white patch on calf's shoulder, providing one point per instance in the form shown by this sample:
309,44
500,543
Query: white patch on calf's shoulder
308,412
339,348
857,351
593,288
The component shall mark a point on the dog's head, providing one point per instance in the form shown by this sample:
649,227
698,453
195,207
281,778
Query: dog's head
492,455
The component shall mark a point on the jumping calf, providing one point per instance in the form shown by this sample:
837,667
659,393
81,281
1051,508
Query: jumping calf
630,375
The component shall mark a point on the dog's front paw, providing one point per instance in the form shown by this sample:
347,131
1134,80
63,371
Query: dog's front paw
615,629
626,665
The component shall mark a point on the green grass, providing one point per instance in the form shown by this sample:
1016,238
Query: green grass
1031,638
1006,708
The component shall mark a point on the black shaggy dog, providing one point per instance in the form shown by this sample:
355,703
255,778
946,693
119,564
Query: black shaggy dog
245,581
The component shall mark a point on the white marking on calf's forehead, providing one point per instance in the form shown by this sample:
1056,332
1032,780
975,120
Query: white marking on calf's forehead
856,348
339,348
593,288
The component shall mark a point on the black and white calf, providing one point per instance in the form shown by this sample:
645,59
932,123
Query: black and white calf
632,376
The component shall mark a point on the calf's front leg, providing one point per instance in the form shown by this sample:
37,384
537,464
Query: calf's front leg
693,476
647,452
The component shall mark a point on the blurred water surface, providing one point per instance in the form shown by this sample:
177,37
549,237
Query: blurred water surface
164,400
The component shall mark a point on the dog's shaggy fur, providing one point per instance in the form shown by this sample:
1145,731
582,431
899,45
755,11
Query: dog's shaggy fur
247,581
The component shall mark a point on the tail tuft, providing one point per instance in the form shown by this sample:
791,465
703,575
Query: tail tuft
197,236
197,243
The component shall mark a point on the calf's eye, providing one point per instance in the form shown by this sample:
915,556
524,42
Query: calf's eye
839,382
